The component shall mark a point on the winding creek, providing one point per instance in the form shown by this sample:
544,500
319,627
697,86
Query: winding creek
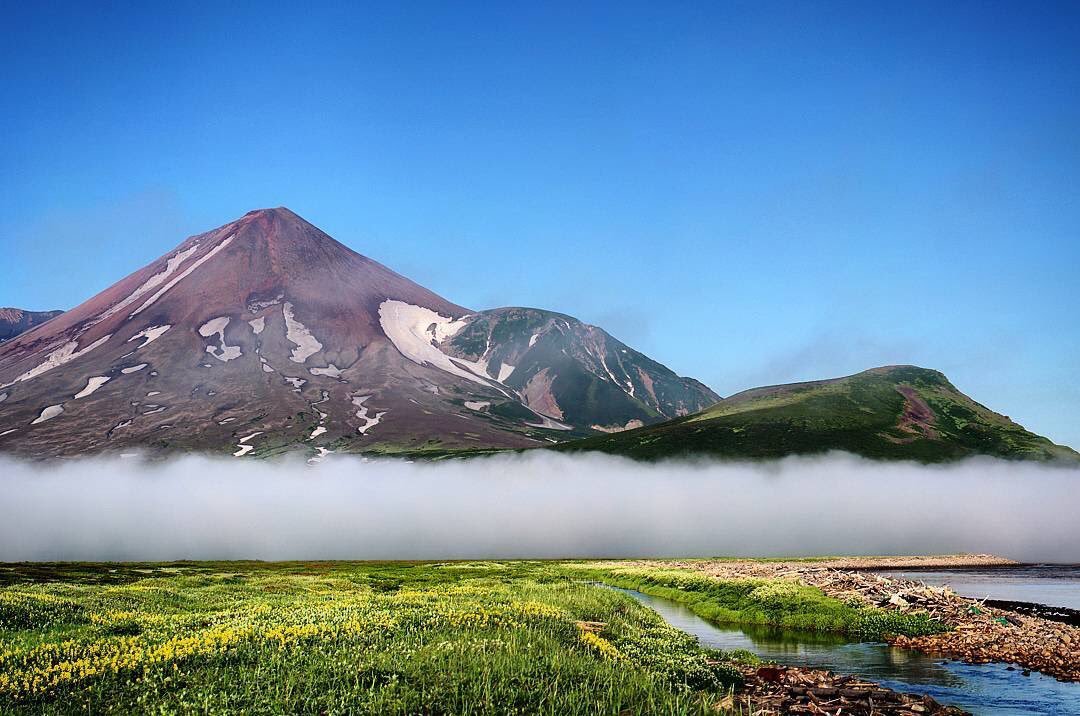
983,689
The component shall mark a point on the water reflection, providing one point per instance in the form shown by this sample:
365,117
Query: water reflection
981,689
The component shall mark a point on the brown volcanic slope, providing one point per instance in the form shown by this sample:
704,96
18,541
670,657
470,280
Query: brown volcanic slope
264,335
14,321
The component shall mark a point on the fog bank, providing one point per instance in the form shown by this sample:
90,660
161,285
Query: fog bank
532,505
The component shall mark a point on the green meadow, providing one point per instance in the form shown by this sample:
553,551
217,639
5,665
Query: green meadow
380,638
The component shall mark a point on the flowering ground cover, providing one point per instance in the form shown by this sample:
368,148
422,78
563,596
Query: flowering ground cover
380,638
324,638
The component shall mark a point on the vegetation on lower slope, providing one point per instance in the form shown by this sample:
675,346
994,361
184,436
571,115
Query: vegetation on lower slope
896,412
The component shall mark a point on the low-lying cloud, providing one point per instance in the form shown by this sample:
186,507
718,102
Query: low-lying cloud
532,505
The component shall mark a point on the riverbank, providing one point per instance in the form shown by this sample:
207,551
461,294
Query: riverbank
978,633
776,690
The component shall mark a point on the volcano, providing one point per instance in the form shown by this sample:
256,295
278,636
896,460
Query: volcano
267,336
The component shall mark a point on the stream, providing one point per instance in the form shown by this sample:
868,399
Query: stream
979,688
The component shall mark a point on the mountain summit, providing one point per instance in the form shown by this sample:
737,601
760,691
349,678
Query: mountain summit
266,335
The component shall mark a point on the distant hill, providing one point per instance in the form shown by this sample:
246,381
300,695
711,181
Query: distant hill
893,412
14,321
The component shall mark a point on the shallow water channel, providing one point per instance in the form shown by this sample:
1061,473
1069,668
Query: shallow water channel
979,688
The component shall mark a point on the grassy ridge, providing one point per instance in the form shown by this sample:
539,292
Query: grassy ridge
440,639
896,412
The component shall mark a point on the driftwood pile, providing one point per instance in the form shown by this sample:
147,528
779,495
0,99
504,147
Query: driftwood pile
980,633
941,603
778,690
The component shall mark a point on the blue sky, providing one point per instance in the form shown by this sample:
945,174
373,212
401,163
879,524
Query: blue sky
749,192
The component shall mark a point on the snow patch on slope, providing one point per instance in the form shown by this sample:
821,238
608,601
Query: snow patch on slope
306,344
245,448
133,369
171,264
414,330
223,353
187,272
549,424
150,335
62,355
600,355
331,371
257,324
48,414
92,384
369,420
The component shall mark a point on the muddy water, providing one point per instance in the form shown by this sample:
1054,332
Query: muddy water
990,689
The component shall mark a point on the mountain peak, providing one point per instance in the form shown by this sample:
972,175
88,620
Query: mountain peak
277,223
273,211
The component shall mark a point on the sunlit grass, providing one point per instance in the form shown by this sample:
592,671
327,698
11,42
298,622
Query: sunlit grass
480,638
770,602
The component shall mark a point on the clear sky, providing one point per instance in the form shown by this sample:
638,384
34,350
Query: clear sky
748,192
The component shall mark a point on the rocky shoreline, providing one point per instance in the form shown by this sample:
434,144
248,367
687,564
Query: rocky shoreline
979,632
775,690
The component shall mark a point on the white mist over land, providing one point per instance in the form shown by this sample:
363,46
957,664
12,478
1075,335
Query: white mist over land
538,504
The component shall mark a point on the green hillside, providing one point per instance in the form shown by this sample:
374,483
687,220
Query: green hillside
894,412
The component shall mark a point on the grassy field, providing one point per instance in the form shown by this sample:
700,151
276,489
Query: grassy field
367,638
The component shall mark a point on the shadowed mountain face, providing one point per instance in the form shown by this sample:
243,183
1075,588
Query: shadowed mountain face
266,335
14,321
895,412
575,373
